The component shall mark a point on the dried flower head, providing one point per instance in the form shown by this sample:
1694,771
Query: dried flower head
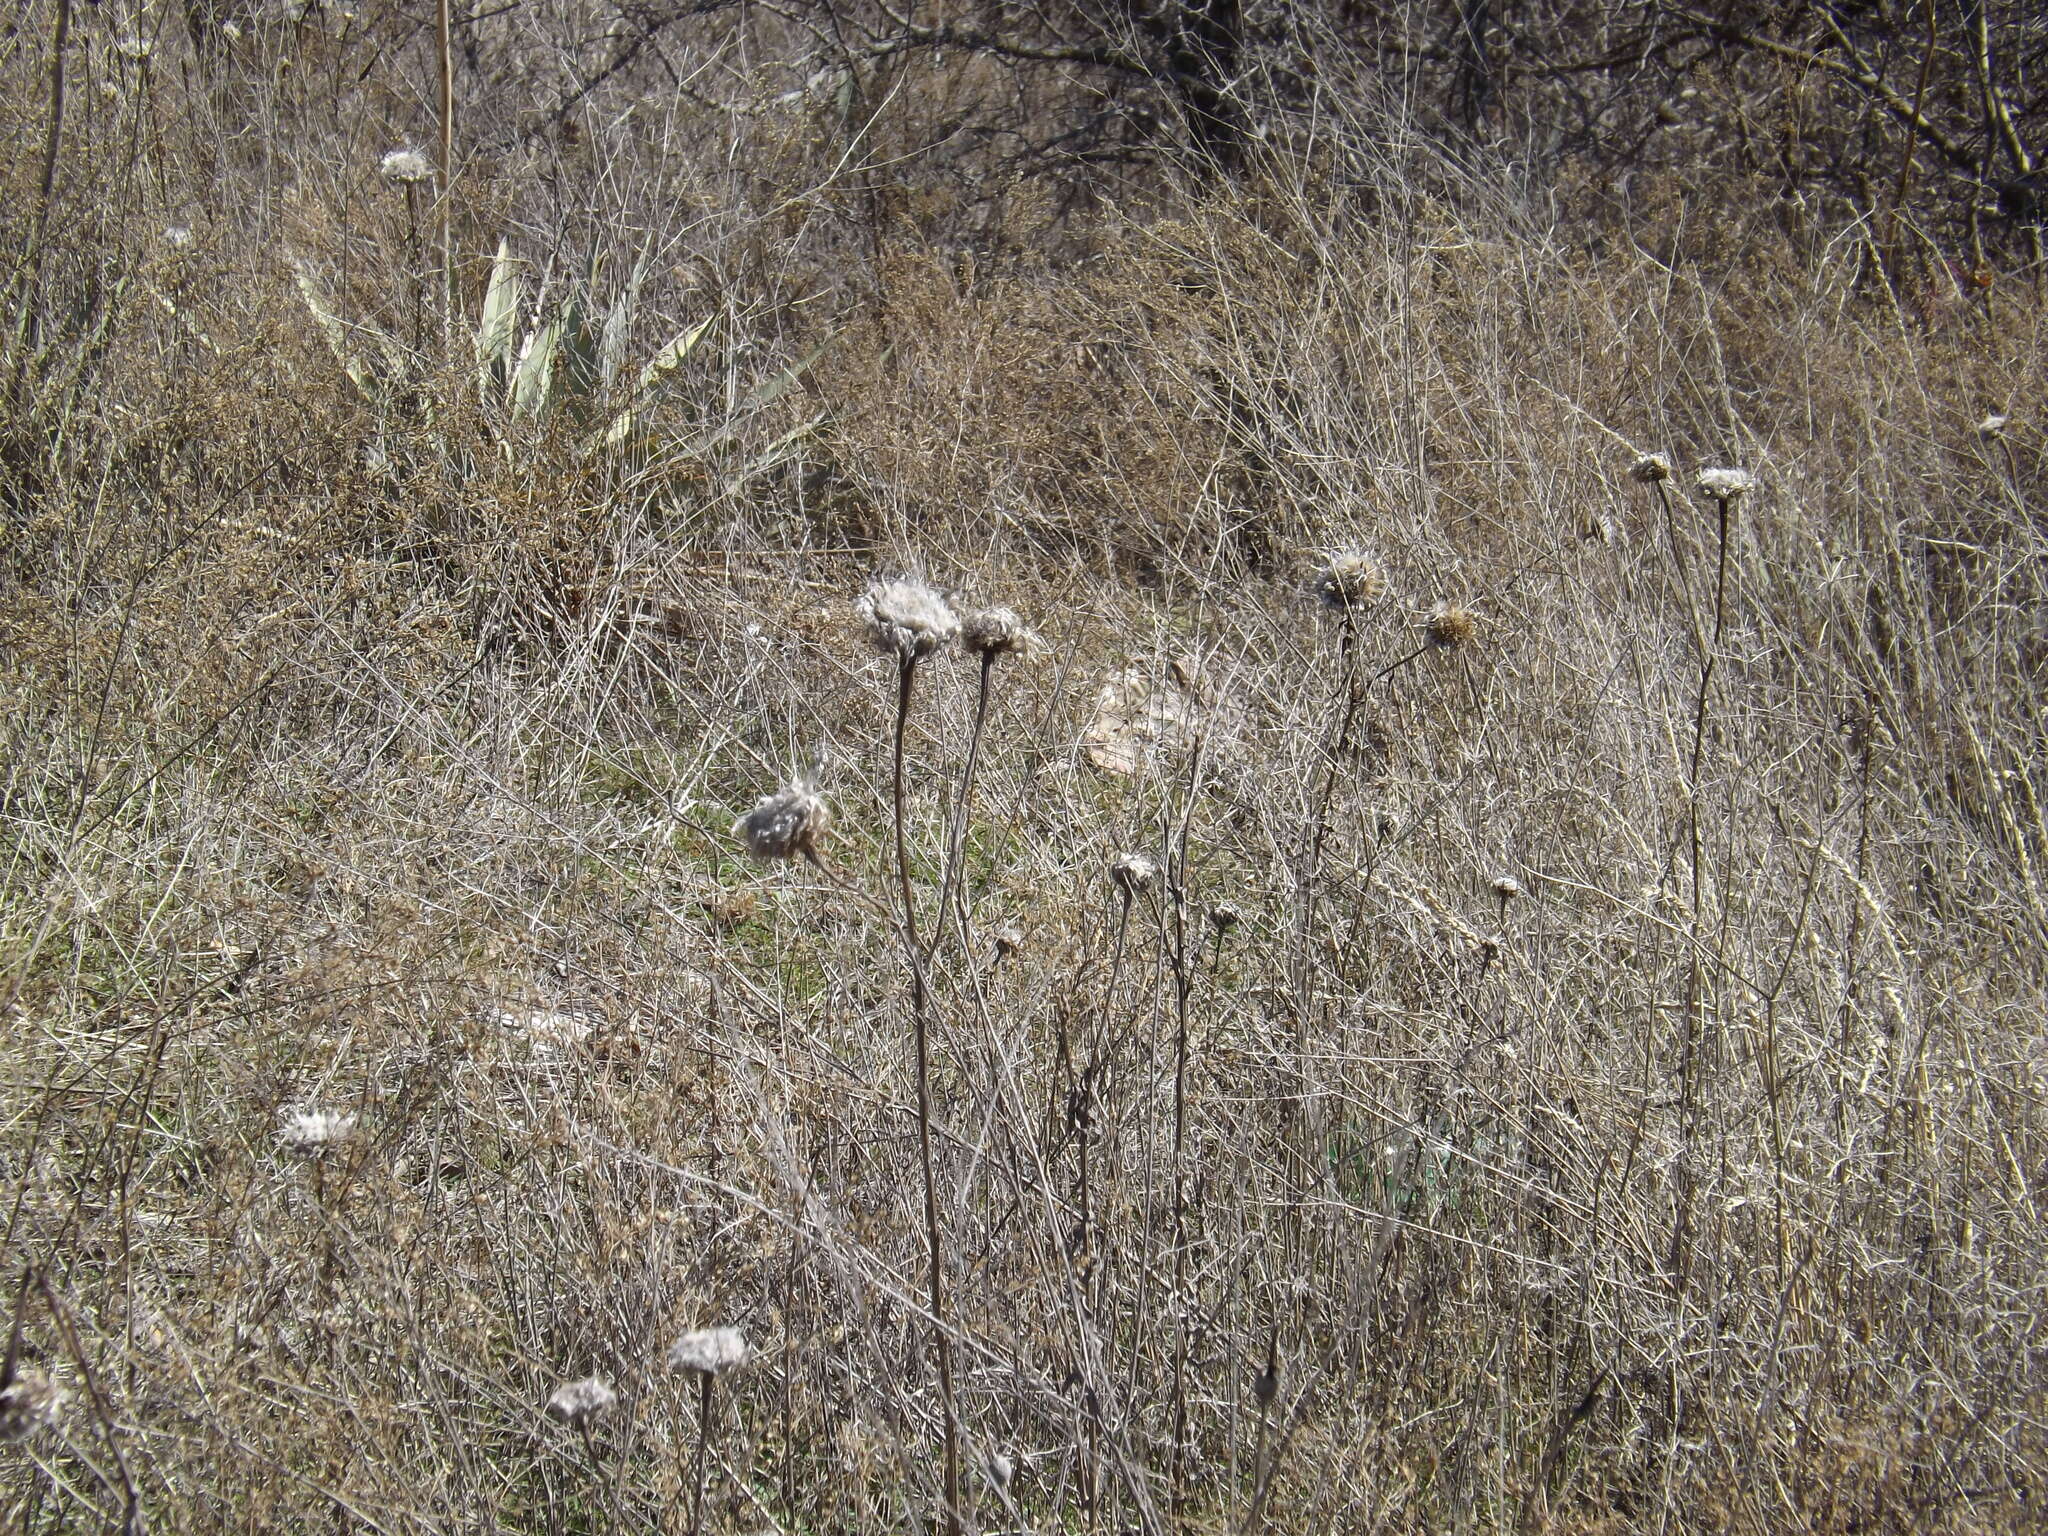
1650,469
1725,485
1451,625
1350,579
579,1402
996,632
1224,916
1992,427
1506,887
785,824
1132,872
709,1351
404,165
29,1403
309,1132
906,618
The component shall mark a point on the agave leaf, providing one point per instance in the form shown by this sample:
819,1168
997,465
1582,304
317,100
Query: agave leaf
533,385
331,326
618,329
657,372
788,379
497,331
674,355
578,352
777,451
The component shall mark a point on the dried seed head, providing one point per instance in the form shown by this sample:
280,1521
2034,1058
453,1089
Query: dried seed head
1992,427
577,1403
906,618
1009,941
996,632
1506,887
709,1351
1224,916
1451,625
309,1132
786,824
1350,579
29,1403
1651,469
1132,872
404,165
1725,485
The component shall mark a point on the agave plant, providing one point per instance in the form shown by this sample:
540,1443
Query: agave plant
558,359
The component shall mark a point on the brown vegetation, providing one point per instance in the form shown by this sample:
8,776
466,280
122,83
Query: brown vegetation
1459,981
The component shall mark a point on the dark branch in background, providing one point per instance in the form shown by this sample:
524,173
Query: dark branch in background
1604,85
626,52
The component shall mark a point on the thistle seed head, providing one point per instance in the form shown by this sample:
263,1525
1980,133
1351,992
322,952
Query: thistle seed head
709,1351
29,1403
1650,469
577,1403
1451,626
309,1132
786,824
906,618
1132,872
1506,887
406,166
1350,579
1725,485
996,632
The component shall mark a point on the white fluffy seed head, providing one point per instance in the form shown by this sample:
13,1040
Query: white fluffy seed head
709,1351
996,632
310,1132
1651,469
1725,484
906,618
786,824
1350,578
1506,887
577,1403
404,165
1132,872
29,1403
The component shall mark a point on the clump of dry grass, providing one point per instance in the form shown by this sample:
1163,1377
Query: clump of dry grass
1682,1179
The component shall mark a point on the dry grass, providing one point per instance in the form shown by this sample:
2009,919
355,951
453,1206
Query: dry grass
380,755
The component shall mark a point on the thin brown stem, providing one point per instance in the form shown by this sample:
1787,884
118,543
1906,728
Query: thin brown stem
920,998
703,1440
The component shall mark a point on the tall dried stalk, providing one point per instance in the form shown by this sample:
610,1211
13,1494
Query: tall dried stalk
920,1007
